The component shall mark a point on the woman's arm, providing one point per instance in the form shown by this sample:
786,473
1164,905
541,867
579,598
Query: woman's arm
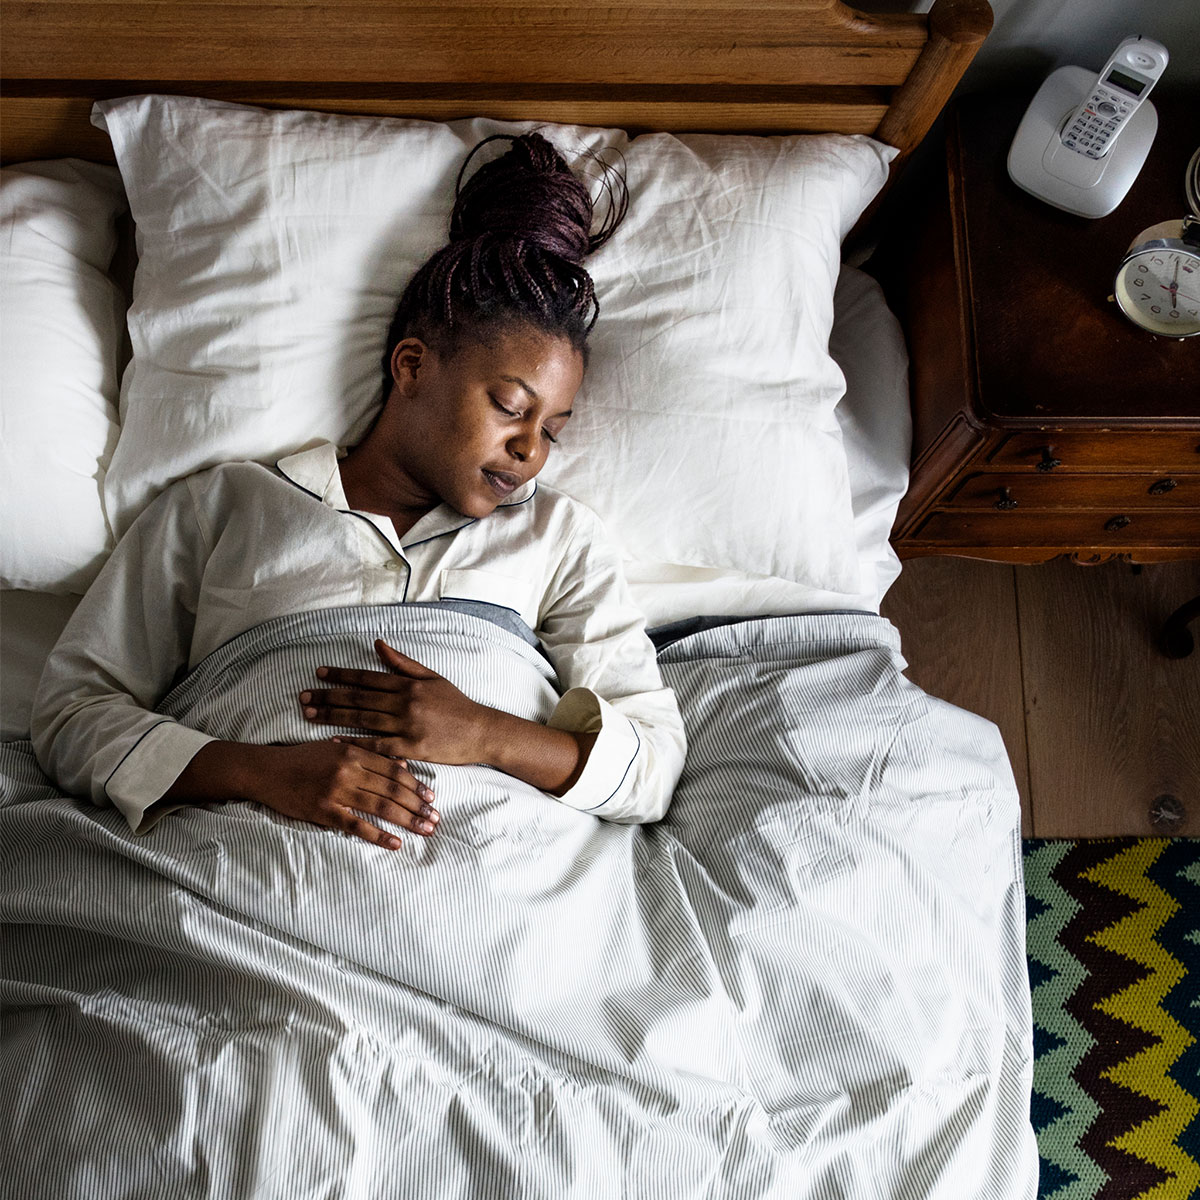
328,783
95,732
419,714
595,636
92,722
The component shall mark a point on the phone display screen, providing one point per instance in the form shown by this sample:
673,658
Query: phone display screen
1129,83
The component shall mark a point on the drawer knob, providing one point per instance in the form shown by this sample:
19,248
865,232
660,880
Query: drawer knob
1162,487
1115,523
1006,501
1049,462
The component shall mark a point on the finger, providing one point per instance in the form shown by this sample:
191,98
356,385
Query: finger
384,747
402,663
396,795
353,718
347,822
394,775
367,700
408,813
381,681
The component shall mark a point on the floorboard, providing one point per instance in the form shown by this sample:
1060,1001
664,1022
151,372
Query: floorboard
1099,725
1112,724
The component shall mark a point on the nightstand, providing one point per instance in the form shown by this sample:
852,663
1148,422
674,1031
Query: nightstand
1044,423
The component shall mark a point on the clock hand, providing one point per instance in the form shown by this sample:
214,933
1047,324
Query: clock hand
1174,290
1175,283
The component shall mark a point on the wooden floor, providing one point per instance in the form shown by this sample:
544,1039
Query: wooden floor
1103,730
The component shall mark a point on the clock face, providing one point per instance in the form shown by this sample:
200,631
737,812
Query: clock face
1159,289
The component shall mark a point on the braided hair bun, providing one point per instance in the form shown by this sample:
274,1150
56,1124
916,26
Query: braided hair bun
519,232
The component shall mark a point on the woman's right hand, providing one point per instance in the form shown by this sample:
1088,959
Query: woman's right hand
329,783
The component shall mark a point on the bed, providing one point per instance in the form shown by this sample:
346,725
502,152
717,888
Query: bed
808,979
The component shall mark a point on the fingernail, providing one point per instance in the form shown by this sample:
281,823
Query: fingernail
305,697
424,792
426,826
322,672
310,712
392,844
432,814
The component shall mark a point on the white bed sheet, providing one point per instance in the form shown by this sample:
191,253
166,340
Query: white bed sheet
868,345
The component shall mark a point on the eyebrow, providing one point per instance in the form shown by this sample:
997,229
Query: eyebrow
522,384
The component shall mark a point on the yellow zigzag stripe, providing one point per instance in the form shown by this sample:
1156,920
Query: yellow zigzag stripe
1140,1006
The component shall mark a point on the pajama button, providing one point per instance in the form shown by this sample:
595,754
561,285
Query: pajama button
394,564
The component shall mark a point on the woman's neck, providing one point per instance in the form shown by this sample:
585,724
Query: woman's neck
374,482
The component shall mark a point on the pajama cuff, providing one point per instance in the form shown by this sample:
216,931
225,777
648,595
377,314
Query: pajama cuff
609,771
149,769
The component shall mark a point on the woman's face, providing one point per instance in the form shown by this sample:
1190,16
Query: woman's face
478,425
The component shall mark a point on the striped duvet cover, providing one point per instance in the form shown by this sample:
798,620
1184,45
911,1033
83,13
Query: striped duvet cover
807,981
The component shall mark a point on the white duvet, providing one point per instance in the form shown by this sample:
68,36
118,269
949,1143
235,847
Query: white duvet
807,981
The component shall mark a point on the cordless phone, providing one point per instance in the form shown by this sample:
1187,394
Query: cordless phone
1123,84
1084,137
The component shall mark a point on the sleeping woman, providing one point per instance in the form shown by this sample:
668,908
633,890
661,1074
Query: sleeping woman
438,503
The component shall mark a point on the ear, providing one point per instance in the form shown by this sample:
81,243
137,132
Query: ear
408,358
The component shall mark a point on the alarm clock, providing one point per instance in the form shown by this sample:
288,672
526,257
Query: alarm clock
1157,285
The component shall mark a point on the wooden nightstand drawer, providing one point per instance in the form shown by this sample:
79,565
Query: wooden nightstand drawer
1053,491
1110,533
1050,450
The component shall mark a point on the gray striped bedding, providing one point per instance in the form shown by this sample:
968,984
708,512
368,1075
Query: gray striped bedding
807,981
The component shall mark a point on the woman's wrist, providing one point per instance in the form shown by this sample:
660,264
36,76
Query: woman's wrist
549,759
218,771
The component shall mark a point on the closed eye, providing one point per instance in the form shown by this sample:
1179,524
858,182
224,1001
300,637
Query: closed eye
512,412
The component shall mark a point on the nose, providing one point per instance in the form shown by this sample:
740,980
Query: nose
525,442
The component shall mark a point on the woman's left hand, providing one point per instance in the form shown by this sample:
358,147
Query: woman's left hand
412,711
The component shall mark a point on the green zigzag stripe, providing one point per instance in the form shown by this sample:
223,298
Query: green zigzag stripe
1178,871
1053,1072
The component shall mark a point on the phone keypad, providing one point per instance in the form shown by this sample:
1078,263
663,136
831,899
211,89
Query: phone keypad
1097,123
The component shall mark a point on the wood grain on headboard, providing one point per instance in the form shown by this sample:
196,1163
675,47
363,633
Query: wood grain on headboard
767,66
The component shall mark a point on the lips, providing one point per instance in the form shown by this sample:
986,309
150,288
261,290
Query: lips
503,483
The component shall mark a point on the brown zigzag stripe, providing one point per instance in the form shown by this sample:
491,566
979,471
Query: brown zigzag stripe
1115,1041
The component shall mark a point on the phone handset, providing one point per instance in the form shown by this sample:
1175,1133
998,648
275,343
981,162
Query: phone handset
1121,87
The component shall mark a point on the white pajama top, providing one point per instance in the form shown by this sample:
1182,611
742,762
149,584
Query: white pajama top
226,549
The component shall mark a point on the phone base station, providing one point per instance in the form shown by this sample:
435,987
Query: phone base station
1039,162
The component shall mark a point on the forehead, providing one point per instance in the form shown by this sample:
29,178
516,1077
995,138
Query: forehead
526,358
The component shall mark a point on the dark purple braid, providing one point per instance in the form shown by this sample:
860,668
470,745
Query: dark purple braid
519,232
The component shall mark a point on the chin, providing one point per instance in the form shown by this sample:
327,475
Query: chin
475,506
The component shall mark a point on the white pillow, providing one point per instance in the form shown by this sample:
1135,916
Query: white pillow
868,344
273,247
61,321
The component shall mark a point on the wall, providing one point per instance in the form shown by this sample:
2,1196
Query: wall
1032,37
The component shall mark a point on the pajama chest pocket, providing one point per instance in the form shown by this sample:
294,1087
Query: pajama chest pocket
488,587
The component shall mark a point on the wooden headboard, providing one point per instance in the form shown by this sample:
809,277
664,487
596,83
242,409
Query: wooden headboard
754,66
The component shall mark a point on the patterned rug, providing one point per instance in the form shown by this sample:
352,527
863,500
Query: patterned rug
1114,966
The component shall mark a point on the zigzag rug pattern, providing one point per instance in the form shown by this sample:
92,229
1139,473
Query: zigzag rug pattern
1113,946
